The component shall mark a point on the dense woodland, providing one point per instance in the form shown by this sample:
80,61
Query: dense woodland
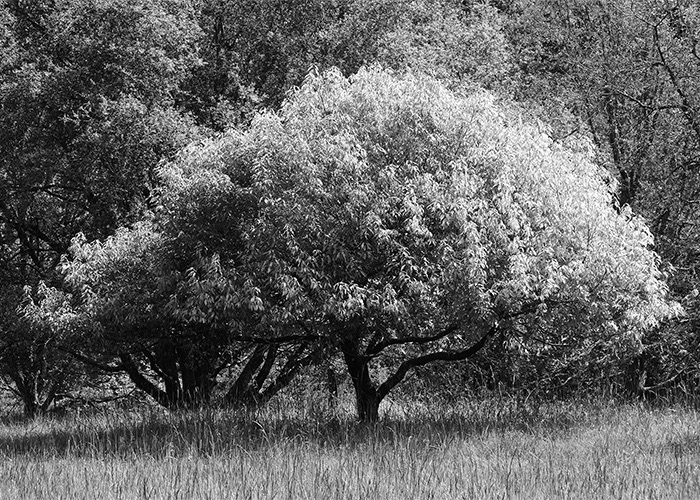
206,199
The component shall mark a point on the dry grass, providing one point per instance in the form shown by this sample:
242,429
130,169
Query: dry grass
487,449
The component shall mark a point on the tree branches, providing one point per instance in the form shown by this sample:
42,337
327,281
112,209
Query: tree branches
407,365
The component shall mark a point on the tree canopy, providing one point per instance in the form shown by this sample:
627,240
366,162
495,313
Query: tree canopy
399,221
510,182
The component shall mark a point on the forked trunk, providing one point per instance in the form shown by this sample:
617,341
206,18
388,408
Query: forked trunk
31,388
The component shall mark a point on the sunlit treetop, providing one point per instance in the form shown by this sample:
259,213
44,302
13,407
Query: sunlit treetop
393,207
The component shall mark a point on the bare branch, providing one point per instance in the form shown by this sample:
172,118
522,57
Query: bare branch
687,107
380,346
407,365
278,340
526,308
643,104
91,362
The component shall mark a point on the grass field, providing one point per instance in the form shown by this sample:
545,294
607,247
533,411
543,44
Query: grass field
489,449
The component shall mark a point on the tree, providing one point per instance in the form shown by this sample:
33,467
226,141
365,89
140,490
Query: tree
86,101
628,73
256,52
406,224
162,310
94,90
452,46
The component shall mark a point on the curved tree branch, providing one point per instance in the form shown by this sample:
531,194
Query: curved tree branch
407,365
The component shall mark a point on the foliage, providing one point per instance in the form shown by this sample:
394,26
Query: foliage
86,97
141,295
89,107
392,220
449,45
405,224
629,73
256,52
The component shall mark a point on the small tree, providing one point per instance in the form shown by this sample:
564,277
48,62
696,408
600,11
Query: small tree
406,224
35,364
153,307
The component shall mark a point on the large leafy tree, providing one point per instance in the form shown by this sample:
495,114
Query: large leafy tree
86,113
404,224
112,72
253,54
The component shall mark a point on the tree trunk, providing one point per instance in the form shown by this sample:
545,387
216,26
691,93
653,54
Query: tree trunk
26,390
368,406
141,382
332,384
242,393
367,396
196,379
637,376
31,404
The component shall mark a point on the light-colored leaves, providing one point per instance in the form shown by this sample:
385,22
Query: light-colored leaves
391,201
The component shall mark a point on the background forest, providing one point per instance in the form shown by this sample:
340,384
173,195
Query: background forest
210,200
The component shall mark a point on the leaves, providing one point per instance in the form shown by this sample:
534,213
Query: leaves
393,201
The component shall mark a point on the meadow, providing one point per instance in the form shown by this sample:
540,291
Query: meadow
493,448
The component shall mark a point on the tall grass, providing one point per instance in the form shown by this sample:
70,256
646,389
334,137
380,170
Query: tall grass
486,449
